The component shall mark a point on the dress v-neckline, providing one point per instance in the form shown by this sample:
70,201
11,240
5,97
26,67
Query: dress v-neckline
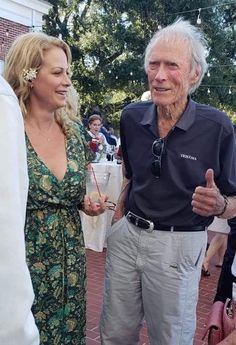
44,164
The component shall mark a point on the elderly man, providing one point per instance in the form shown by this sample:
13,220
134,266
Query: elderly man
17,326
180,164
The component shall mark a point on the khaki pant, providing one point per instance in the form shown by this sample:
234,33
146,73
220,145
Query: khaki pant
153,276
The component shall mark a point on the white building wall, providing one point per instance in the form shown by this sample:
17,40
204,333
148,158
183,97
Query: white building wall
25,12
17,17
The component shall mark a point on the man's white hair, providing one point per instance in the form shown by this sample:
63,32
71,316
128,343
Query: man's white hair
182,30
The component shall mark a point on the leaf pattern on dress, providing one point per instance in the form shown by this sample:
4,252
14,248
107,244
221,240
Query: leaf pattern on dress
55,244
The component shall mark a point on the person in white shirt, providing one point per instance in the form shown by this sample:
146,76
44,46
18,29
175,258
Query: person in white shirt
17,326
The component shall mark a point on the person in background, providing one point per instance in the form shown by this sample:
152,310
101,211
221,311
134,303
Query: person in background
37,67
98,140
103,128
217,245
224,286
94,126
111,149
111,140
228,276
17,326
174,185
112,133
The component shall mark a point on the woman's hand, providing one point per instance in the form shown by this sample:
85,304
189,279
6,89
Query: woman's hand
101,140
94,208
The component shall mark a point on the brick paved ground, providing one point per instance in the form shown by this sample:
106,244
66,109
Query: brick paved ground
95,271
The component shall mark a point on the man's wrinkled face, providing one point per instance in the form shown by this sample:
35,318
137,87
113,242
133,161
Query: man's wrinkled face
170,73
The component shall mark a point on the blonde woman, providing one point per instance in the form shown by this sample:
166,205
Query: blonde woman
38,69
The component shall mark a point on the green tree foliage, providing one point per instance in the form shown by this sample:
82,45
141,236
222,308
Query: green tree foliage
108,40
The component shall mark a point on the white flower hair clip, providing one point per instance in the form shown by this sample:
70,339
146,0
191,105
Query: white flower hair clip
29,74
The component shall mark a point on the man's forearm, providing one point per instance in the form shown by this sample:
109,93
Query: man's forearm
119,211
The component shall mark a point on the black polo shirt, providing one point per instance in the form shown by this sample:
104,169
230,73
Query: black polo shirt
203,138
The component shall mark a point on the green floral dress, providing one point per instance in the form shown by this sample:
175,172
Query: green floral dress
55,245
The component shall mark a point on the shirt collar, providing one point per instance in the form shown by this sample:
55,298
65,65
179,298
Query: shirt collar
184,123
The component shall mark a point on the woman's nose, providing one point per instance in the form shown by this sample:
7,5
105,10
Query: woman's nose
67,80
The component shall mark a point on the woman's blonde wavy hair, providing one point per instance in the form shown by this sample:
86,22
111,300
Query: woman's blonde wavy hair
26,52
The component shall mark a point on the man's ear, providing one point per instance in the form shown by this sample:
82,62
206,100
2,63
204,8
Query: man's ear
196,74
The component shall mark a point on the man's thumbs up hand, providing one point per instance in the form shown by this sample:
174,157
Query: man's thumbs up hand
210,183
207,201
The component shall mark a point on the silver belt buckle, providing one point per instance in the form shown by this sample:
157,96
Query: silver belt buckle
151,226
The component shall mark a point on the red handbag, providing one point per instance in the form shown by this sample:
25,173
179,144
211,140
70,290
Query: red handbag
222,321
